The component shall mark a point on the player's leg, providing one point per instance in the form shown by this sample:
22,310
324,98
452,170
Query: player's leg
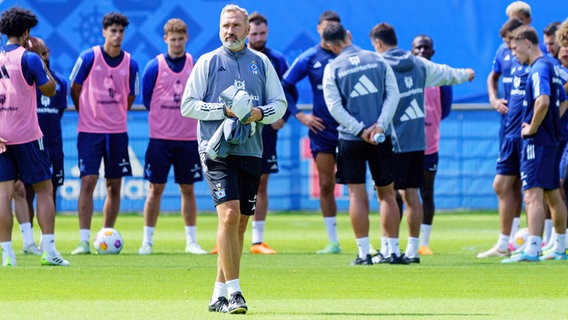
151,213
558,211
21,211
414,217
112,202
259,219
325,164
189,214
117,166
6,223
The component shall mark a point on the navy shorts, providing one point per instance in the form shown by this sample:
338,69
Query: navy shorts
352,161
539,166
233,178
55,151
269,156
182,155
431,162
408,170
325,141
28,162
509,161
111,147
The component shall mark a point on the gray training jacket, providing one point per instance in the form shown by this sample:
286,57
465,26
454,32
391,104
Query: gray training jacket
216,71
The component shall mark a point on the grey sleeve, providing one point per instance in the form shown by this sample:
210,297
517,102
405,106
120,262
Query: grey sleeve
192,104
276,104
391,101
443,75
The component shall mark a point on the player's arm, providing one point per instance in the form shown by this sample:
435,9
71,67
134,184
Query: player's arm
79,73
443,75
446,98
500,105
192,104
149,82
41,75
294,74
540,109
390,103
63,94
134,82
335,106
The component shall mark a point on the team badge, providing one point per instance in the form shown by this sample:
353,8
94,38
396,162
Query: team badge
240,84
253,67
408,82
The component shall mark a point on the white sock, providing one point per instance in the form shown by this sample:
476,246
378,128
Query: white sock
515,226
257,231
533,246
503,242
190,234
85,235
233,286
384,247
148,237
219,290
331,228
27,234
363,247
552,241
547,230
393,246
48,241
411,248
425,230
7,248
560,243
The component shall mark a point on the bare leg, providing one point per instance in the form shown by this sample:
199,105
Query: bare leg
6,218
152,204
325,164
359,210
414,213
262,199
85,201
188,205
112,202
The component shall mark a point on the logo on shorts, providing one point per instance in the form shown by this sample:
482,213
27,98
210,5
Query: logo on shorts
220,192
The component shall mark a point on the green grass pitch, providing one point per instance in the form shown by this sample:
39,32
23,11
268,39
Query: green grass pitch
294,284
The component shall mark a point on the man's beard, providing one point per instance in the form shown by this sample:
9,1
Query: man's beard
234,45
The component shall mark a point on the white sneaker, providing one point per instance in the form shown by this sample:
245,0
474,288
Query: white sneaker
145,249
194,248
8,260
32,249
494,252
54,260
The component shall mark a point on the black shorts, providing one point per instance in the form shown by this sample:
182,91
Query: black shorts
233,178
408,170
269,156
352,162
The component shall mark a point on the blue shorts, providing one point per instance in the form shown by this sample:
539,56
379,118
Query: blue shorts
233,178
325,141
431,162
269,156
28,162
564,162
539,166
111,147
56,157
408,170
509,161
353,157
183,155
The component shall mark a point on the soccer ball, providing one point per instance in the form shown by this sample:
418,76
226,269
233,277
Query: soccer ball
108,241
520,238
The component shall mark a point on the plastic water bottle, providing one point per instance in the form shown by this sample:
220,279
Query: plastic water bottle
379,137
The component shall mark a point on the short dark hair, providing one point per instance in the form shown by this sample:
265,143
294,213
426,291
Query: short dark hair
15,21
550,29
329,15
257,18
334,32
509,26
425,36
115,18
384,32
526,33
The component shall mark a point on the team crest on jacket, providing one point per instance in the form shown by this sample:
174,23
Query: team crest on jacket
253,67
408,82
240,84
354,60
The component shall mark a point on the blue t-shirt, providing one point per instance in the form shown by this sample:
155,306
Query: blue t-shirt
514,117
543,80
84,64
502,65
150,75
50,110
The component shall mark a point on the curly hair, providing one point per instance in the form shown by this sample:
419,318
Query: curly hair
562,34
115,18
15,21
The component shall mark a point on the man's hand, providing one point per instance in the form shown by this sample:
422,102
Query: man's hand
278,124
471,74
374,129
2,145
527,130
367,135
255,115
309,120
500,105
